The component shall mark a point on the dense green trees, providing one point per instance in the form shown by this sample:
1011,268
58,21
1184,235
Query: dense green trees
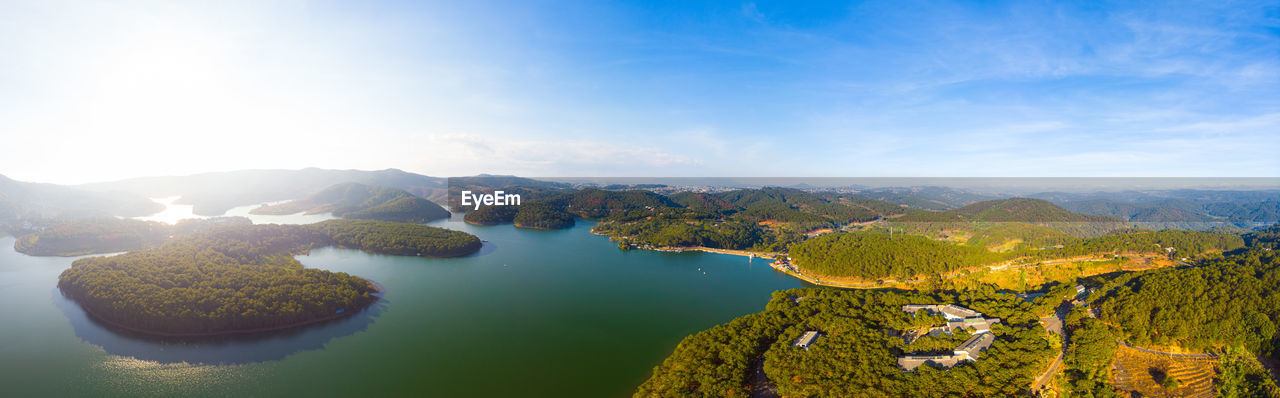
1229,305
1231,301
80,236
1240,375
243,277
693,219
1184,243
542,215
856,354
360,201
677,232
1089,353
91,235
403,239
596,203
491,215
717,362
410,209
213,284
877,254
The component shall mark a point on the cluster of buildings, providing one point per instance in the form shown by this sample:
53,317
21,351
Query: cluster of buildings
957,318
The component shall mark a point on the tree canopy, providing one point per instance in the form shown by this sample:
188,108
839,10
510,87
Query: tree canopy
244,277
855,354
360,201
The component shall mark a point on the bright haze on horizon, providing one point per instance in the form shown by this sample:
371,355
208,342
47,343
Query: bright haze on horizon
92,91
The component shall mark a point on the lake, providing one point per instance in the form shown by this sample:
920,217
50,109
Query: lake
535,313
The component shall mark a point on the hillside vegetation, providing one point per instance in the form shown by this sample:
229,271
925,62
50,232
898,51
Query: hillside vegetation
212,194
360,201
856,353
877,254
1232,301
25,202
96,235
242,278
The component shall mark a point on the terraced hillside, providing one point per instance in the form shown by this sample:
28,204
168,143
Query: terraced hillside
1137,370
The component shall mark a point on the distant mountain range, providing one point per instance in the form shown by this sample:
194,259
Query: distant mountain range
34,200
1183,205
213,194
928,197
1008,210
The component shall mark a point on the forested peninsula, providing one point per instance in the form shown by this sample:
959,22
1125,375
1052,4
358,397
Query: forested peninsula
97,235
1223,310
244,278
365,202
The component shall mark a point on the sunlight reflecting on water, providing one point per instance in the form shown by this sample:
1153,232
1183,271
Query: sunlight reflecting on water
296,218
172,212
135,376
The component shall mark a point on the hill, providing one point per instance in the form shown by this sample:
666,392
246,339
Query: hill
527,188
876,254
26,200
360,201
244,278
873,255
766,219
926,197
599,203
1186,206
1017,210
96,235
212,194
1170,210
860,337
1023,210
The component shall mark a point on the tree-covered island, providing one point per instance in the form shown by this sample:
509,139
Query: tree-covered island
244,278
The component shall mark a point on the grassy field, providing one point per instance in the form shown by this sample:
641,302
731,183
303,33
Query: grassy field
1137,371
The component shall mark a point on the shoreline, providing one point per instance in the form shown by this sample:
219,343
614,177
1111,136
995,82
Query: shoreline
377,287
794,271
732,252
704,249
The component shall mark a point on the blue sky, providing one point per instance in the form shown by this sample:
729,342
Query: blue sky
92,92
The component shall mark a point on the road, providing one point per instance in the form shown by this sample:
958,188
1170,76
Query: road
1167,353
1053,324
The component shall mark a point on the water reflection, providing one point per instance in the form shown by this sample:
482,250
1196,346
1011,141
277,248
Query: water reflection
296,218
172,212
486,248
237,349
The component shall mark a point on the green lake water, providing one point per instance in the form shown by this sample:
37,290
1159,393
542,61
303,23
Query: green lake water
534,314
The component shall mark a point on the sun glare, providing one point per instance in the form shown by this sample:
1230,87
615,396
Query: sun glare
172,212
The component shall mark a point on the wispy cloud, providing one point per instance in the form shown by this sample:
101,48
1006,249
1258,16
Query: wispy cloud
548,158
684,88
